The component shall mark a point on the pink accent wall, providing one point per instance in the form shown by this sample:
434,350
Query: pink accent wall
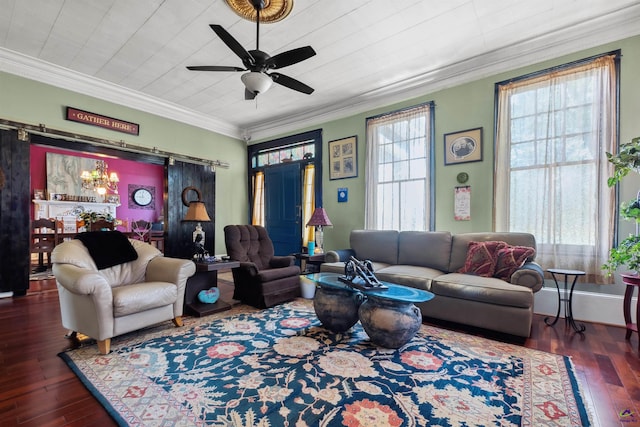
128,171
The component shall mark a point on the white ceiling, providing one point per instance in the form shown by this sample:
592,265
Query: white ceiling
370,53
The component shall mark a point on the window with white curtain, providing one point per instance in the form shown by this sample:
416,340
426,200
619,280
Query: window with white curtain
399,169
552,134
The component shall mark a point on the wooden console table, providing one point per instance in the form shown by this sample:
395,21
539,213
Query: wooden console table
205,278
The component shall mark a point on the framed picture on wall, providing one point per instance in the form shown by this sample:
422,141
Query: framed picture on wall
38,194
463,146
343,158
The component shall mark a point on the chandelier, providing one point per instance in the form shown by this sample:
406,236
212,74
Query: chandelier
99,179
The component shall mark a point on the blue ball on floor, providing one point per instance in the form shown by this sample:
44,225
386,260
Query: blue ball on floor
209,296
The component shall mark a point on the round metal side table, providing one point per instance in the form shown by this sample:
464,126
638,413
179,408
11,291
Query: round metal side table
568,310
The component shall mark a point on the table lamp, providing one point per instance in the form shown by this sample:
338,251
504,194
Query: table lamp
197,212
319,219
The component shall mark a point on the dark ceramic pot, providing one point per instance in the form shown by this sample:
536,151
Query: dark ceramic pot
389,324
337,309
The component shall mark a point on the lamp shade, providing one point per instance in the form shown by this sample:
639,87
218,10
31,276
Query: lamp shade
319,217
197,212
256,82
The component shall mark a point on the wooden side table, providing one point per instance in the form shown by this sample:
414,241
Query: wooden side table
568,300
206,277
309,263
632,281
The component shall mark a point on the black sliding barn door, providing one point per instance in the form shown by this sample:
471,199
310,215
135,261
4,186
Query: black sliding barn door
179,241
14,214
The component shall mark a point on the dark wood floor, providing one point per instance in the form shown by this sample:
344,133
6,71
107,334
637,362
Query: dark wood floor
38,389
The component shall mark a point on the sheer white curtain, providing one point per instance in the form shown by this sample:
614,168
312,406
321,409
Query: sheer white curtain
397,172
551,169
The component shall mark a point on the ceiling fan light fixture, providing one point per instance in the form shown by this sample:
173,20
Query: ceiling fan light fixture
256,82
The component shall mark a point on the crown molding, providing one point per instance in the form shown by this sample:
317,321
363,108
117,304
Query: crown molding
584,35
45,72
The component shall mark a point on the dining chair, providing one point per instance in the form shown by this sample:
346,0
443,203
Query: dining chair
100,225
141,230
44,236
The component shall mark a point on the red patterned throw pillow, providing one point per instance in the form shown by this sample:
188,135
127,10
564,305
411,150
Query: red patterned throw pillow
482,258
511,258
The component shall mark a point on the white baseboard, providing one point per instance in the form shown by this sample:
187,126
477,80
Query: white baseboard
587,306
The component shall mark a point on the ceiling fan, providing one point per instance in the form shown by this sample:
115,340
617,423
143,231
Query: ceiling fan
258,63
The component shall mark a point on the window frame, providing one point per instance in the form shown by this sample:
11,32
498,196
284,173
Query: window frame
564,249
370,223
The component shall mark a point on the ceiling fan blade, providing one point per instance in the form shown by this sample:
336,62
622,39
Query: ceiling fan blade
248,95
232,44
213,68
290,57
291,83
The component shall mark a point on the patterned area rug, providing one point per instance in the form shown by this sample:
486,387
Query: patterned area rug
280,367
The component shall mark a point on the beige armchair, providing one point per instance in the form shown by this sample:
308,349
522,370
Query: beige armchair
116,299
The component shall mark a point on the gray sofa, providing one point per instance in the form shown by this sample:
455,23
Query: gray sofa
430,261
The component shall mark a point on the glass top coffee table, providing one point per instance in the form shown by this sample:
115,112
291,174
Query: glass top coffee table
388,316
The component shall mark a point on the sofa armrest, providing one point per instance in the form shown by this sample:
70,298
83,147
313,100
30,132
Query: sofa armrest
80,281
172,270
339,255
249,268
529,275
282,261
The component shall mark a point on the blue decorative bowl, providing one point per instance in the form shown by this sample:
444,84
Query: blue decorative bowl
209,296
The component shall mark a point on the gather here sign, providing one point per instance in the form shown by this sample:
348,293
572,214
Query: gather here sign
93,119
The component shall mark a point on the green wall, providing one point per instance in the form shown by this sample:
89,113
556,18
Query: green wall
464,107
31,102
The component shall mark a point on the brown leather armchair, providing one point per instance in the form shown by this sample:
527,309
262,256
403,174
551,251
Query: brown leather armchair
262,280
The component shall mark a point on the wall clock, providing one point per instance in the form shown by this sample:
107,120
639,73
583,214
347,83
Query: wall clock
142,197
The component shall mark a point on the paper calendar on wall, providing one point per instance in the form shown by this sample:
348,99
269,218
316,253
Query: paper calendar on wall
462,203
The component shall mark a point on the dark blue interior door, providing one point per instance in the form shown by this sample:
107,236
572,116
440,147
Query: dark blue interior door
282,206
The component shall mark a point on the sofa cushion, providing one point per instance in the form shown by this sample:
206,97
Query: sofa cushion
425,248
482,258
511,258
375,245
482,289
270,274
460,244
134,271
142,296
409,275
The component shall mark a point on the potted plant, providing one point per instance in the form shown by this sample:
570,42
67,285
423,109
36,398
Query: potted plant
87,218
628,250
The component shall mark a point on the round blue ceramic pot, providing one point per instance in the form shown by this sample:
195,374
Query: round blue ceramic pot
337,309
389,324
